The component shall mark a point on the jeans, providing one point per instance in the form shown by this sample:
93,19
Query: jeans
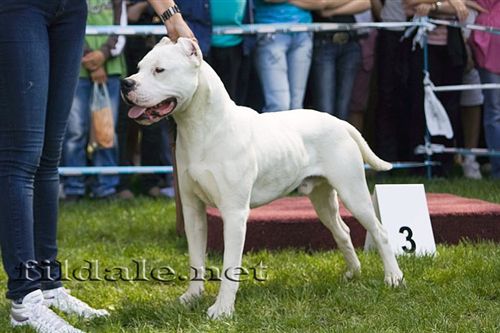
75,143
282,62
334,68
491,118
41,44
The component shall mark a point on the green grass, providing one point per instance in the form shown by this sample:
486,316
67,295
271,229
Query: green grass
456,291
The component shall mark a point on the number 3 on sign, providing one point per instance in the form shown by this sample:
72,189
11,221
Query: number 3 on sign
413,246
403,211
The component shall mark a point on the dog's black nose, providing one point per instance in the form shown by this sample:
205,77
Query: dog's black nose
127,84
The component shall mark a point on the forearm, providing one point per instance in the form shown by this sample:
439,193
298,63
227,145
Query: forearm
160,6
314,4
350,8
446,8
331,4
135,11
377,9
176,26
310,4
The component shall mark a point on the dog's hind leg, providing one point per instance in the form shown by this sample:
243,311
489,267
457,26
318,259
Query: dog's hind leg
325,202
353,192
234,239
195,223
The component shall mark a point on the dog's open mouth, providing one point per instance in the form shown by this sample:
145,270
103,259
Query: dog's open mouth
160,110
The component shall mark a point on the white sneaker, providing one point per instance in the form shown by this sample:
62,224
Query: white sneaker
168,192
60,299
32,312
471,168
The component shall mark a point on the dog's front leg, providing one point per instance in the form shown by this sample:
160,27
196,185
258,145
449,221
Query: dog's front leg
195,220
234,239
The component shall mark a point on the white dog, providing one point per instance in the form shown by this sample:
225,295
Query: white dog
233,158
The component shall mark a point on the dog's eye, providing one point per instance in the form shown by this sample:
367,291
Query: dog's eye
159,70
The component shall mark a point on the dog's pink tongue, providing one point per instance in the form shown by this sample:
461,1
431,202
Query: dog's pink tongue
135,112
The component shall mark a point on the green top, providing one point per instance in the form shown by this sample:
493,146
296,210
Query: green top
227,12
101,12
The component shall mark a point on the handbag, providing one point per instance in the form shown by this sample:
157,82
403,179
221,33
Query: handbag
102,127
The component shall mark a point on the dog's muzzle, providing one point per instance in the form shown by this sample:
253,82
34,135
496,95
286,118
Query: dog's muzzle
126,86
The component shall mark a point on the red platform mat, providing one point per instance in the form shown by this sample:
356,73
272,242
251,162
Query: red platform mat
292,223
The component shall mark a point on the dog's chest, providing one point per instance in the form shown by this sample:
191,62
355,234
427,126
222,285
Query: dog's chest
202,183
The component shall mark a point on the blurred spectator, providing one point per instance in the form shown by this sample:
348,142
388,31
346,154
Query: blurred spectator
226,52
103,63
361,88
486,49
153,140
283,60
336,58
391,114
471,102
447,59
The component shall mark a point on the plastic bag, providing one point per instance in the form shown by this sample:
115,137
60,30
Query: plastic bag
436,117
102,128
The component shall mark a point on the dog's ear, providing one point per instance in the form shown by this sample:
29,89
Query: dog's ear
164,41
191,49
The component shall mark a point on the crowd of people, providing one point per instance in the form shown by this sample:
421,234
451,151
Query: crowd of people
344,73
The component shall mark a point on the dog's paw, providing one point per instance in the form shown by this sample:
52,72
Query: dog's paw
220,310
394,279
189,296
352,273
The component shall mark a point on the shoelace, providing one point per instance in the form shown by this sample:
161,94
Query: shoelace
46,319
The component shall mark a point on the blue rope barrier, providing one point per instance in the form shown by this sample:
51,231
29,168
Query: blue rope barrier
409,165
127,170
244,29
434,148
118,170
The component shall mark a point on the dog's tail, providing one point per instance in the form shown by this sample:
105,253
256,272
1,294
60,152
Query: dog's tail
368,155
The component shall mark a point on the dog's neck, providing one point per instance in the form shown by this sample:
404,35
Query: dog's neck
198,119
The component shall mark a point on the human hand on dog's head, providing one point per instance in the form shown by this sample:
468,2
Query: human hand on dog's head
177,27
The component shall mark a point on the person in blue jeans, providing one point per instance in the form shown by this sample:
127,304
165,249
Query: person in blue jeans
103,64
336,59
41,44
283,60
486,47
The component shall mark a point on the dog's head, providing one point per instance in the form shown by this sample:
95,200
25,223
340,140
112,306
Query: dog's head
166,80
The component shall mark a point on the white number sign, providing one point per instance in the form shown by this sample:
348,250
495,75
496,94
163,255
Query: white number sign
403,211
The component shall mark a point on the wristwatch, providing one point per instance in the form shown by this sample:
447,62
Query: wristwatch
171,11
